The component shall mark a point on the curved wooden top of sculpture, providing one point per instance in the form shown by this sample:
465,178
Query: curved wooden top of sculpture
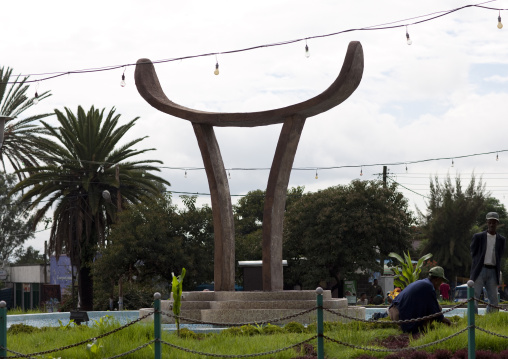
344,85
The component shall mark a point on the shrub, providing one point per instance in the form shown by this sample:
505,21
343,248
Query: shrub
249,330
186,333
233,331
442,354
272,329
294,327
460,354
420,355
22,329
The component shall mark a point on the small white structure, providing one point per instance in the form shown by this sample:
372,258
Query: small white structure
26,281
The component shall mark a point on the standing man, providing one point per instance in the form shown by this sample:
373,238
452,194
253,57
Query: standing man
419,300
373,290
486,250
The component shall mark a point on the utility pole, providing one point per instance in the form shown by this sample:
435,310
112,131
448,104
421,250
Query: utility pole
45,262
385,170
119,209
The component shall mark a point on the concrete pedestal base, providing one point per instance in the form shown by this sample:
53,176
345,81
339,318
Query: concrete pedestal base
242,307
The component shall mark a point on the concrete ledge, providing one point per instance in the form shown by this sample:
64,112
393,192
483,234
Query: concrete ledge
262,315
242,307
290,304
167,305
287,295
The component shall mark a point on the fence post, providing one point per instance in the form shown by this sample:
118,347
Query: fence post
157,324
320,339
471,345
3,329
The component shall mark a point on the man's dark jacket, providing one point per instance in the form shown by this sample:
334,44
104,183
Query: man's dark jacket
478,248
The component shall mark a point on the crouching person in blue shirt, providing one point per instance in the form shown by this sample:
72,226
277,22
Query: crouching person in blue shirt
418,300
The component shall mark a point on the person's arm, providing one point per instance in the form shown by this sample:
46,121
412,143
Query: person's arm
433,305
474,245
475,255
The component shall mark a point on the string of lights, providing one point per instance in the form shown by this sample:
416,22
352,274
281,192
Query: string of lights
404,23
314,168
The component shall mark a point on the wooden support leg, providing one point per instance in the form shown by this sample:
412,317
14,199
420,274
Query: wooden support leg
275,202
224,227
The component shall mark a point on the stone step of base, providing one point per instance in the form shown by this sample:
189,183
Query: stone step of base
273,304
287,295
336,303
167,305
272,315
239,317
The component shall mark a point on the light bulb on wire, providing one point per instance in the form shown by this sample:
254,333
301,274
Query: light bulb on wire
497,156
185,175
216,72
316,175
229,175
406,167
453,163
122,83
409,42
307,53
36,97
499,23
361,171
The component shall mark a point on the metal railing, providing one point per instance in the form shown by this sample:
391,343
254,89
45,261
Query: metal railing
320,336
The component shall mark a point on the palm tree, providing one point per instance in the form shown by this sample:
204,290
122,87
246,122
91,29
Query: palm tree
84,171
19,134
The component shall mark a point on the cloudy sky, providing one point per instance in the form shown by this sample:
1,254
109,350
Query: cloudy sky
444,96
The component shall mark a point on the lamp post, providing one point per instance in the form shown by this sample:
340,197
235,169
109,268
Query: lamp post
107,196
3,120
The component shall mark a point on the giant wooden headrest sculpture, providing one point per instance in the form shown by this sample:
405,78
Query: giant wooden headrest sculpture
293,117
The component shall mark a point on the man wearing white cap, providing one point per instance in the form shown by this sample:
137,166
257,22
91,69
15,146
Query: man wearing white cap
486,250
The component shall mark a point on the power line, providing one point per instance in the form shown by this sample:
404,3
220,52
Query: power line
309,168
409,189
385,26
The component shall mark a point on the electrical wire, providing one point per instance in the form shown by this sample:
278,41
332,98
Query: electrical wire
313,168
384,26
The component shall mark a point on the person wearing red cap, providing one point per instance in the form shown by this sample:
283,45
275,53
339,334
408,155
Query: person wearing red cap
486,250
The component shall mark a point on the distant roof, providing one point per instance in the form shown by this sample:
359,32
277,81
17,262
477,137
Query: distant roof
257,263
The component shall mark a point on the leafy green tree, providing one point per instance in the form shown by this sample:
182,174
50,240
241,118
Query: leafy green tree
196,228
448,225
20,135
28,256
86,167
154,239
15,223
248,214
334,233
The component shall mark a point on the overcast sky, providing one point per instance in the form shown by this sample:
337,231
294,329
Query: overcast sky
446,95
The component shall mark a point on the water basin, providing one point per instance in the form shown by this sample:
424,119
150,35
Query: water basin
126,316
52,319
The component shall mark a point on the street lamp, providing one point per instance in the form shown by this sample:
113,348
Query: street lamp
106,195
3,120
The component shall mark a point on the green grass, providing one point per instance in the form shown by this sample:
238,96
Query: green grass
18,310
238,341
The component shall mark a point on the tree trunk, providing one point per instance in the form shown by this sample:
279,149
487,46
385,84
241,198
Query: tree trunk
85,287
